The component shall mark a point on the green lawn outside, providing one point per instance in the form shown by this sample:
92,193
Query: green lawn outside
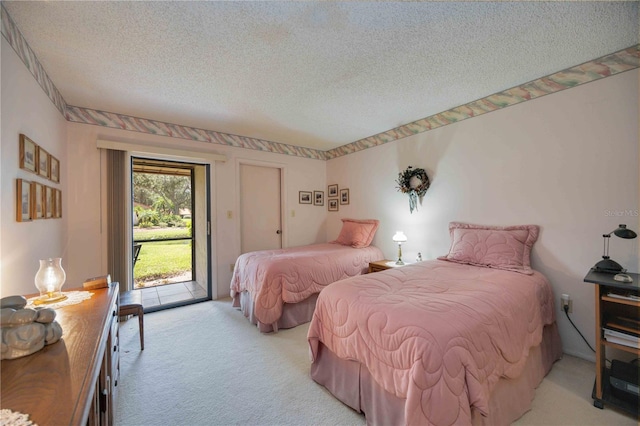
159,233
162,259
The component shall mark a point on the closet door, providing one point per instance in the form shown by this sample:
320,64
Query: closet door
260,208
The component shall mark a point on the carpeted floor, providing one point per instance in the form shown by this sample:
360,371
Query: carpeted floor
204,364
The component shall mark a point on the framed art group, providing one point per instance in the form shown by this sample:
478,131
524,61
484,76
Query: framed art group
337,197
308,197
37,160
35,200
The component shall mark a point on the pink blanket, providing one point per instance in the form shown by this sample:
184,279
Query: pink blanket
275,277
436,333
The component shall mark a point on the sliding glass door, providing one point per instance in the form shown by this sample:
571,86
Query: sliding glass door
170,232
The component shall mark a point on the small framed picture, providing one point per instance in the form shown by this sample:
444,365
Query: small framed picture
344,196
318,198
54,169
332,205
43,162
37,200
332,191
23,200
48,202
57,203
28,154
304,197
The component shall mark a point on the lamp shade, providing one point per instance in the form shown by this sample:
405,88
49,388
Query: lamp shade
624,232
399,237
607,264
49,280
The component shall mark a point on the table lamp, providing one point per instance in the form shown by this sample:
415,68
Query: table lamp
607,264
399,238
49,280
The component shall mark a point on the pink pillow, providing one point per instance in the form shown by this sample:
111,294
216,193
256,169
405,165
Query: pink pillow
357,233
500,247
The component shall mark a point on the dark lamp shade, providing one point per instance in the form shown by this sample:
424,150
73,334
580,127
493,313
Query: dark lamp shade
607,264
624,232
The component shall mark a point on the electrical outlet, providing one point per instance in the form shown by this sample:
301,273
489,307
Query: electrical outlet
565,300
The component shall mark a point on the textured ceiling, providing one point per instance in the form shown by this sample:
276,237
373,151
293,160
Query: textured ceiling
312,74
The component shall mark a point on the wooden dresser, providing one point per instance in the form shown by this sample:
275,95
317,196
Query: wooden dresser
73,381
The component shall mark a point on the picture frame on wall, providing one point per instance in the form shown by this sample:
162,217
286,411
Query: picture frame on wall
332,191
344,196
54,169
304,197
57,203
332,205
23,201
43,162
48,202
28,154
37,200
318,198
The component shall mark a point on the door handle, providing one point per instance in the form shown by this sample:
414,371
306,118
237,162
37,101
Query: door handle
278,232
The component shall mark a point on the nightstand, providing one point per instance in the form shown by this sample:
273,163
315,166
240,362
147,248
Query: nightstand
614,302
381,265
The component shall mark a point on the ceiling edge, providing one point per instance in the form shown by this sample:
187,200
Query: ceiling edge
142,125
14,37
605,66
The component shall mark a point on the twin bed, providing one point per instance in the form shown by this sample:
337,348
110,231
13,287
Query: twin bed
278,288
464,339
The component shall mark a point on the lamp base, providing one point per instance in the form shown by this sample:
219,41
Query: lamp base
399,262
608,266
46,299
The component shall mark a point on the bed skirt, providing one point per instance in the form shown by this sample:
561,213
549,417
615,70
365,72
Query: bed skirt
293,314
351,383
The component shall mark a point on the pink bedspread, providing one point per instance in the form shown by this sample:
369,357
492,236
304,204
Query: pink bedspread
437,333
275,277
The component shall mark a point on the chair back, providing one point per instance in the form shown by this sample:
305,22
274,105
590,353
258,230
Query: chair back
136,252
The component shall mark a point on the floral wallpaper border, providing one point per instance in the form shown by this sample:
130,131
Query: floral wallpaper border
596,69
606,66
143,125
14,37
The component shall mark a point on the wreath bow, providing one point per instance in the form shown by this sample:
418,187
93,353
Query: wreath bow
414,182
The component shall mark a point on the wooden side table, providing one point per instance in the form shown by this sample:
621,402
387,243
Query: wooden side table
613,299
381,265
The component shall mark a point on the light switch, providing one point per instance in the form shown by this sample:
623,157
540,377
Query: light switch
293,213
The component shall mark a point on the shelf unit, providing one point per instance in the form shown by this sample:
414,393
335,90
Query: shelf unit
607,307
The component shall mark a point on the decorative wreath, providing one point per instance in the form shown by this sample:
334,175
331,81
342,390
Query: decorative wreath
414,182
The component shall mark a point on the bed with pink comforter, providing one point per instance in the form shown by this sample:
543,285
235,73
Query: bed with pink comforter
265,284
430,343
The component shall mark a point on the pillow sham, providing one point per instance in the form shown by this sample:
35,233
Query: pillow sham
357,233
499,247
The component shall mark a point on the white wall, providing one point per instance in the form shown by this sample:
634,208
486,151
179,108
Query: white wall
26,109
567,162
86,236
80,236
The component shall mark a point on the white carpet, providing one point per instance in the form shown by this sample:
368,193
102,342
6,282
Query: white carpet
204,364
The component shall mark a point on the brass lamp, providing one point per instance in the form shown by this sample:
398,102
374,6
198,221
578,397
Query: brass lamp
607,264
399,238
